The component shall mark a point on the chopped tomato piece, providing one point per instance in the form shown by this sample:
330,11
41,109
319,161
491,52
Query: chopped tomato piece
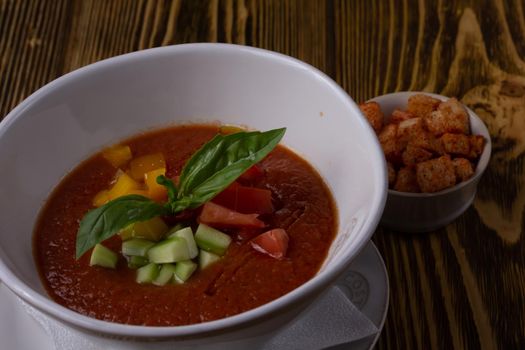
218,216
273,242
245,199
246,233
253,173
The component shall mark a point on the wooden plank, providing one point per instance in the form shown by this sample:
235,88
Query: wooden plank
459,287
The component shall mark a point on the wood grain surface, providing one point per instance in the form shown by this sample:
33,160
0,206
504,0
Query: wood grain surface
461,287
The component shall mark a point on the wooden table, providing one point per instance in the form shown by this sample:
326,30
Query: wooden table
459,287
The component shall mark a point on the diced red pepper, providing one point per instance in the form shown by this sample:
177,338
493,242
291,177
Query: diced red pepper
253,173
273,242
218,216
245,199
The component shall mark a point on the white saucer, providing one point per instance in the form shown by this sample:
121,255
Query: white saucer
365,283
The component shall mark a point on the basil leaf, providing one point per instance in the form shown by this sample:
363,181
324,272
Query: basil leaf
101,223
220,162
209,171
170,186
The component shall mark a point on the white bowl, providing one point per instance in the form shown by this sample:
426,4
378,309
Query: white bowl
76,115
424,212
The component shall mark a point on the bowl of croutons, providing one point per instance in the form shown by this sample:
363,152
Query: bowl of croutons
436,150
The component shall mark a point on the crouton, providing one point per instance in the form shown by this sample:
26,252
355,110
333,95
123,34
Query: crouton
477,142
389,144
409,129
391,174
429,128
463,168
406,180
436,174
389,133
440,123
450,117
399,116
426,140
373,113
421,105
457,144
413,155
453,107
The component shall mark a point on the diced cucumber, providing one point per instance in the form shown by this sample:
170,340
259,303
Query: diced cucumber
166,274
134,262
175,228
187,234
102,256
169,251
184,269
177,280
136,247
206,259
212,240
147,273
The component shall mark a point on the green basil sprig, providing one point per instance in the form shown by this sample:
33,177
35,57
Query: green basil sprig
101,223
209,171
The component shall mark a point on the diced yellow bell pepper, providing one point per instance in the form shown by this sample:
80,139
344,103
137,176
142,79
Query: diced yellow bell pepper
143,193
101,198
141,165
117,155
127,232
123,186
153,229
155,191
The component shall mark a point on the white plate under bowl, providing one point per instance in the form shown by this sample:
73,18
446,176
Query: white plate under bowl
365,283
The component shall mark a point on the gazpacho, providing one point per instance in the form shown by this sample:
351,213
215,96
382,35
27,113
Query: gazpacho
183,225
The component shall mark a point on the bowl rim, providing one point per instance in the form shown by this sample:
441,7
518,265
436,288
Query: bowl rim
483,159
315,284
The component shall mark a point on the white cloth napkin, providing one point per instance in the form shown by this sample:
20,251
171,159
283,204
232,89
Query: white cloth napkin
330,321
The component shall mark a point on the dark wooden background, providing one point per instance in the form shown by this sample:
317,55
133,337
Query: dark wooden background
459,287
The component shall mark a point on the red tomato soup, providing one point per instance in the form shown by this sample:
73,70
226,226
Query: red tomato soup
244,278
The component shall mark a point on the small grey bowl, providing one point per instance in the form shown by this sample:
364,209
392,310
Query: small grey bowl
424,212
